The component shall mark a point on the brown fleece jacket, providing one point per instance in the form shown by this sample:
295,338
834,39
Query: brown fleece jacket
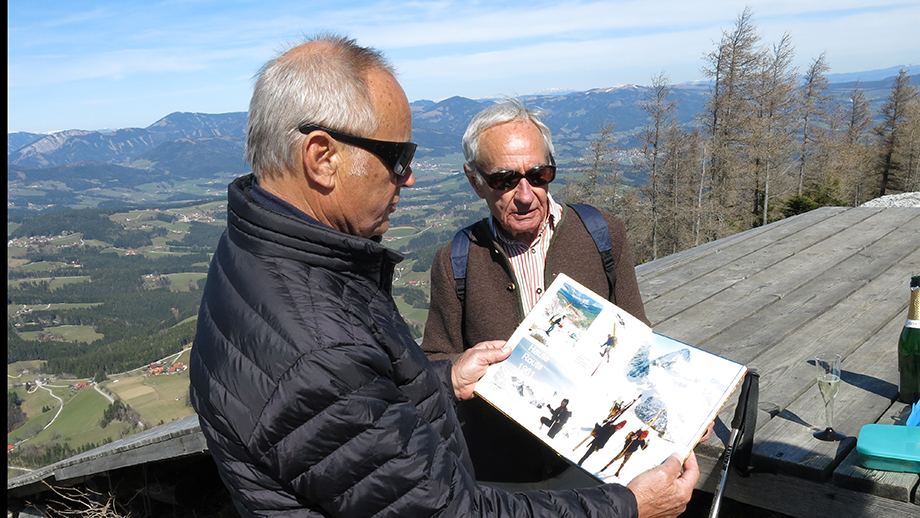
501,450
493,306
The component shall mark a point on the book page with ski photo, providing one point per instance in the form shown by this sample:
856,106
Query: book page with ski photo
604,391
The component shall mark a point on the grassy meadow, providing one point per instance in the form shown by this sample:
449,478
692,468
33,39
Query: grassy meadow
157,398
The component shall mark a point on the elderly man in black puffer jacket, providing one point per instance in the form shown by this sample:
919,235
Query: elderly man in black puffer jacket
313,397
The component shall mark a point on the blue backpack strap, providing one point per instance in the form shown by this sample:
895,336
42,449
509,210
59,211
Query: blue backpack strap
597,226
591,217
459,250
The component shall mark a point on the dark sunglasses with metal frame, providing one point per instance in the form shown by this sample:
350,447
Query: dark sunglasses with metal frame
396,155
507,179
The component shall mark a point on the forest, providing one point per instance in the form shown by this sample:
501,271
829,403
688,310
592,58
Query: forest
140,321
770,143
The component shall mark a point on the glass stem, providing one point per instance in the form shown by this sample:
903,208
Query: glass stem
829,413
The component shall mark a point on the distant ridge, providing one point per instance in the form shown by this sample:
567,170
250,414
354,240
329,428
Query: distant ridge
207,149
873,75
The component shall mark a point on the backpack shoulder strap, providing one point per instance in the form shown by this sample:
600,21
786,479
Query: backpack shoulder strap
591,217
597,226
459,250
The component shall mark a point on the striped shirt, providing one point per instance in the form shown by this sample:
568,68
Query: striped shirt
528,260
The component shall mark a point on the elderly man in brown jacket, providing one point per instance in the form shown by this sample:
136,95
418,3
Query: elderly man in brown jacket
513,257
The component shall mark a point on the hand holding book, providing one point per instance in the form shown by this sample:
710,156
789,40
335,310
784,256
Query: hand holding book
648,397
472,364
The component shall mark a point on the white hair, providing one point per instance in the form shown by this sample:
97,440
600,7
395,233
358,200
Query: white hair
323,82
507,110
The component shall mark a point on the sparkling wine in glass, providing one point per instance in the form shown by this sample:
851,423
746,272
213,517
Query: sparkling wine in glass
828,384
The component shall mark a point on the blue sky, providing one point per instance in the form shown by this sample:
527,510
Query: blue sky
97,64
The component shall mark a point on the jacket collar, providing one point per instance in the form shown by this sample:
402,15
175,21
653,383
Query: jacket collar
273,234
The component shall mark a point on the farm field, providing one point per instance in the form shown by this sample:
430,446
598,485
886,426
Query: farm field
68,333
13,309
53,282
184,281
157,399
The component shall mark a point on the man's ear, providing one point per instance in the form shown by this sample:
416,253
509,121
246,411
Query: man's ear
321,157
478,186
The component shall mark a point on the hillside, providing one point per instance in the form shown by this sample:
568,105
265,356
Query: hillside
194,155
98,294
94,297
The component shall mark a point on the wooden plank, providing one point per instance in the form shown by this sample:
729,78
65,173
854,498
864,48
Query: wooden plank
760,283
827,285
177,438
887,484
851,325
768,245
854,322
876,291
847,325
786,443
802,498
646,273
155,451
809,316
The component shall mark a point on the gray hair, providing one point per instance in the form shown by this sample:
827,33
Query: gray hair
323,82
501,112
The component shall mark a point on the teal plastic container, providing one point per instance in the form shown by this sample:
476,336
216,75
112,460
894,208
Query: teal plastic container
889,447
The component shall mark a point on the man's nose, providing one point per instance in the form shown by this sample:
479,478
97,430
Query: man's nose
406,180
523,191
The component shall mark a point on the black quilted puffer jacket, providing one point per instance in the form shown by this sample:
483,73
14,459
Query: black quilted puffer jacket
314,398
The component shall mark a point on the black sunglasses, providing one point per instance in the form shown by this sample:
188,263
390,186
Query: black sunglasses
396,155
507,179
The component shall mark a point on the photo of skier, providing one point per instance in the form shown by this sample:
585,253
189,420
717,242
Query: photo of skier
601,433
634,441
555,321
555,423
607,346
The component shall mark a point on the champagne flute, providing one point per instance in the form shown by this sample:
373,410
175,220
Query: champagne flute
828,383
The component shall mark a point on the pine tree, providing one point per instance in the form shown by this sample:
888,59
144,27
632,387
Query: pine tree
813,116
732,67
894,135
771,139
851,152
661,153
599,170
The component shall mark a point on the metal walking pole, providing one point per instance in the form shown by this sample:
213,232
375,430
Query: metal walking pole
717,498
743,424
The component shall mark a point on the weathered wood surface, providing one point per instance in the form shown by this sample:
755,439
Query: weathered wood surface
795,496
888,484
868,385
832,279
179,438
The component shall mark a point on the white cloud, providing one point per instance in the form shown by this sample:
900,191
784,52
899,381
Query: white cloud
136,49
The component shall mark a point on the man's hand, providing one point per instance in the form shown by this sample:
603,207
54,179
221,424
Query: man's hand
471,366
664,491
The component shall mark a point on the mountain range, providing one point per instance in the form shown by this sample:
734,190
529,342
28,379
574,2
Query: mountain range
208,148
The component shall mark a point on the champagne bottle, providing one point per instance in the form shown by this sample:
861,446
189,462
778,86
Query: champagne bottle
909,348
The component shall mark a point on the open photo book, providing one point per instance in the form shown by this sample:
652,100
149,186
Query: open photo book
600,388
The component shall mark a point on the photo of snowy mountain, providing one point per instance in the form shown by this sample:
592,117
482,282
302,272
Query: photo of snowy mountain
598,386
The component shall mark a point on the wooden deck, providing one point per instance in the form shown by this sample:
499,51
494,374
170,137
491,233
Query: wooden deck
834,278
170,441
831,279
